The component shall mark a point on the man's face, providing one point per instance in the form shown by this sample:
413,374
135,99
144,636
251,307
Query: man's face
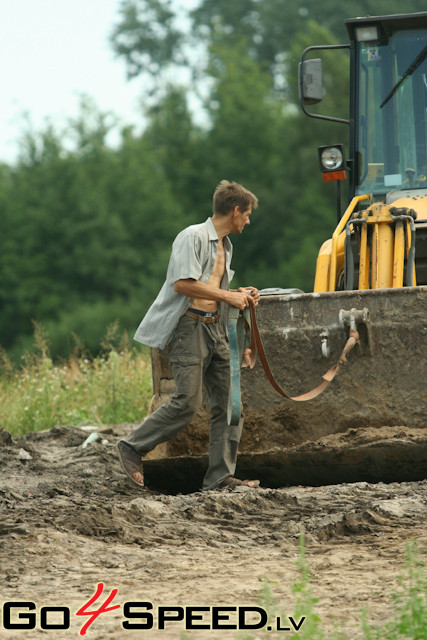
241,219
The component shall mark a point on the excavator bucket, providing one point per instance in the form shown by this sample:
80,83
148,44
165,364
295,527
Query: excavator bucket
381,383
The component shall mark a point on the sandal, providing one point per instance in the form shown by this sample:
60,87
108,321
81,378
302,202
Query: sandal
130,462
232,483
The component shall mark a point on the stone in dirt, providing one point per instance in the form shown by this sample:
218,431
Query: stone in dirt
5,438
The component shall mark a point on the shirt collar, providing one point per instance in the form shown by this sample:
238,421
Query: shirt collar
212,234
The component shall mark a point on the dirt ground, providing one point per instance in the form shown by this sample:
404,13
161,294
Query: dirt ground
70,520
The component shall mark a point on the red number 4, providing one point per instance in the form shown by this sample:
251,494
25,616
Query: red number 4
83,611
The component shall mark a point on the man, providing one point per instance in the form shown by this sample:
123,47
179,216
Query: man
190,316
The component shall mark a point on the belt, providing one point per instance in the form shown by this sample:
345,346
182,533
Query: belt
201,317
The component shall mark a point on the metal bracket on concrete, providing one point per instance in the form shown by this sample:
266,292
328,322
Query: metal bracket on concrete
358,319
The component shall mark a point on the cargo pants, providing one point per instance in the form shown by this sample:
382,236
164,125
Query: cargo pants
199,354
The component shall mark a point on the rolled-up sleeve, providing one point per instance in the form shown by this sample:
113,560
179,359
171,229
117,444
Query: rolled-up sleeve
185,261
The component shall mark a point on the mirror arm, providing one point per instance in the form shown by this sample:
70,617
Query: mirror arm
301,75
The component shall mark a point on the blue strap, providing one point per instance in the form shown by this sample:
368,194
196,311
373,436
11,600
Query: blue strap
238,324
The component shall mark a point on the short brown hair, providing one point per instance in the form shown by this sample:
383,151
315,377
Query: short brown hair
231,194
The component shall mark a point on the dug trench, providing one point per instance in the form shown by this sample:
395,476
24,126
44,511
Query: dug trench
70,519
370,455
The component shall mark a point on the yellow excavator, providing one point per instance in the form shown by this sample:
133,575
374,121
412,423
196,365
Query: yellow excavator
371,279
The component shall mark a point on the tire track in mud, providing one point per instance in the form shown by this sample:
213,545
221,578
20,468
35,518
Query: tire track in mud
59,484
69,519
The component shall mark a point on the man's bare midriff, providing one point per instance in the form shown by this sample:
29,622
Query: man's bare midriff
214,281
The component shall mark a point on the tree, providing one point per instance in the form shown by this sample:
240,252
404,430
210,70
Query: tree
86,229
146,36
148,39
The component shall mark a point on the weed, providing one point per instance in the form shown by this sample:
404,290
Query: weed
410,600
304,621
305,603
111,388
408,623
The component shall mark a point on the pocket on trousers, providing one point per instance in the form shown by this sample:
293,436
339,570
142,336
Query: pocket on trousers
185,348
184,360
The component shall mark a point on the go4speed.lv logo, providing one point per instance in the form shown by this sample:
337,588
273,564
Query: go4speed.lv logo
23,615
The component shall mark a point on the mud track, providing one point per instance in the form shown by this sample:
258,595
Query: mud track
70,520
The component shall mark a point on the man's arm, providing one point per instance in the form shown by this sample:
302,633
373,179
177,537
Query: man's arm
241,298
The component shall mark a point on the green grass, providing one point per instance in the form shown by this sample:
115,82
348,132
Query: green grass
113,387
410,602
409,621
304,610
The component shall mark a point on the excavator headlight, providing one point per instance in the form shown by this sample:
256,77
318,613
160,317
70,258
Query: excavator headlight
331,158
369,33
332,162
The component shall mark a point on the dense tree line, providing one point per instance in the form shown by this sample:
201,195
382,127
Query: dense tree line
86,230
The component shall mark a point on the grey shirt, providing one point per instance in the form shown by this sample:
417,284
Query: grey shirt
194,253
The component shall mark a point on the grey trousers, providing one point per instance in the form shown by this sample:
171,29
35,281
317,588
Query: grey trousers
198,353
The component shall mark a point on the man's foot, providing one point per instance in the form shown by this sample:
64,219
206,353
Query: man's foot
130,462
232,483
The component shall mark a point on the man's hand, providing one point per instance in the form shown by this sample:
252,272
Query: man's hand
246,362
253,292
240,299
243,297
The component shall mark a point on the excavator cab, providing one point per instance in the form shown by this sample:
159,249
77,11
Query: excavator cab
386,219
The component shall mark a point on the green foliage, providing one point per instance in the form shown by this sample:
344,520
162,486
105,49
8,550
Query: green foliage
87,229
86,233
111,388
180,149
149,40
146,37
271,24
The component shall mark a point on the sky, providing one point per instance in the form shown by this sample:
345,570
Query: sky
51,52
